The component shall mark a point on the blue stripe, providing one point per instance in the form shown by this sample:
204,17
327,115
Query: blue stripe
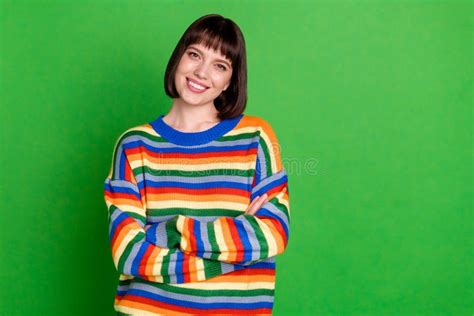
117,222
269,186
131,144
151,233
179,267
265,212
262,265
258,172
203,185
122,161
244,239
208,149
184,303
116,189
193,138
199,242
138,258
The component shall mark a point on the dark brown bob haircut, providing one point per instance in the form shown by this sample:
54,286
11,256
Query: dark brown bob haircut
223,35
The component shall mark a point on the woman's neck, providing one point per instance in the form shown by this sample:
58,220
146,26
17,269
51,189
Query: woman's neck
191,118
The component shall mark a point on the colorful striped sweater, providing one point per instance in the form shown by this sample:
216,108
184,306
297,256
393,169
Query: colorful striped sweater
179,237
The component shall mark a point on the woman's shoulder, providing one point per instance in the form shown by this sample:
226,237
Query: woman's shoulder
258,123
134,132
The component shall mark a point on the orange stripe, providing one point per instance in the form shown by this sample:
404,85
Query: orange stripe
276,234
149,308
152,260
198,198
122,201
228,278
247,158
228,240
248,121
233,231
193,268
186,234
123,233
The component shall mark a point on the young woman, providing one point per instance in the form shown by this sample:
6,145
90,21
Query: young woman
198,198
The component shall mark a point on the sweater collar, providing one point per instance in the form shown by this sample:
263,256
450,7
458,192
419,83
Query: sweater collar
193,138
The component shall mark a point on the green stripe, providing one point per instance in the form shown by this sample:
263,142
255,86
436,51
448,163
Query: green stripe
136,216
194,174
205,293
132,215
125,282
128,250
281,207
165,265
238,136
212,268
112,209
172,233
260,236
212,240
192,212
154,138
158,138
266,153
116,161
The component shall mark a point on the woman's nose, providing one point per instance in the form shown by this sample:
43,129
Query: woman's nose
201,71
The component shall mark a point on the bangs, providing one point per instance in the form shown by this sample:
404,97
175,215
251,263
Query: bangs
215,32
220,40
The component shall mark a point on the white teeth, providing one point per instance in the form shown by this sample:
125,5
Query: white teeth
195,85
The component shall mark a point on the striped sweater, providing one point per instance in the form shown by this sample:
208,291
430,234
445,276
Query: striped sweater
178,233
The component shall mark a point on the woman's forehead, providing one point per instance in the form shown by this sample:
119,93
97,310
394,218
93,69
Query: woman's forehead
202,48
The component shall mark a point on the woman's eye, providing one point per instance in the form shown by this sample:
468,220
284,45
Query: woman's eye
191,54
222,66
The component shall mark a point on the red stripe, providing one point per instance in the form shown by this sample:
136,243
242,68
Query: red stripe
192,238
128,172
276,189
236,239
253,271
197,311
121,195
144,260
278,226
119,228
203,191
254,181
177,154
187,277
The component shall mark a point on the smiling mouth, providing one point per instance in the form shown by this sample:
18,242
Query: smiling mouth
195,87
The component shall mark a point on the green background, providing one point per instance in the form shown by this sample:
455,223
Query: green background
371,102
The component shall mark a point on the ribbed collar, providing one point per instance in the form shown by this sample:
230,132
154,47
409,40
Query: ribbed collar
193,138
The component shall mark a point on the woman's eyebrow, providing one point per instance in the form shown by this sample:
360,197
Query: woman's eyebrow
193,47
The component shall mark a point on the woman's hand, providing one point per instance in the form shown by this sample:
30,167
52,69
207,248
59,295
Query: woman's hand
256,204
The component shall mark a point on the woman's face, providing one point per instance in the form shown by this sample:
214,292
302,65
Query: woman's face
205,67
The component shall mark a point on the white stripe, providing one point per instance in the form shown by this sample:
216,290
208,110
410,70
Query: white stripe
156,271
188,165
123,244
224,251
272,245
198,205
227,285
271,151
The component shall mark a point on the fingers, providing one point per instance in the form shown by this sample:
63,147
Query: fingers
256,204
253,202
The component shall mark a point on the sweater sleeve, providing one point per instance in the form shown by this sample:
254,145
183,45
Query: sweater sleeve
133,254
247,239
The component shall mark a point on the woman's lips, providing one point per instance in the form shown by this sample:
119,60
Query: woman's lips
194,89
